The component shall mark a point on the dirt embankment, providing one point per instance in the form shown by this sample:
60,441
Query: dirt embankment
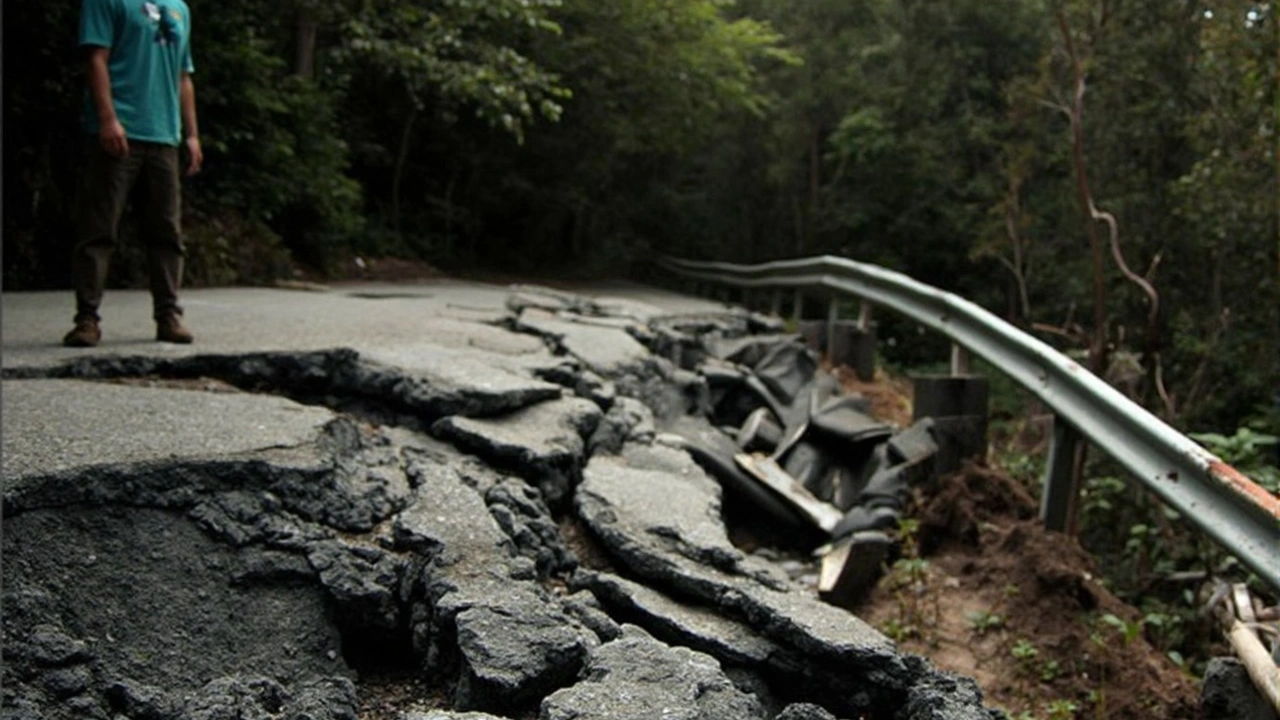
1018,608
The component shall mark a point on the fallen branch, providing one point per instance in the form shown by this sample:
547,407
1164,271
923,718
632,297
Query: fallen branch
1248,647
1257,662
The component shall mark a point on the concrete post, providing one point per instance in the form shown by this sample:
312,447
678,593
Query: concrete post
959,360
1061,495
833,314
814,333
855,345
958,406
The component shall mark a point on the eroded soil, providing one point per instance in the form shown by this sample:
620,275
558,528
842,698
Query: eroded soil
1020,610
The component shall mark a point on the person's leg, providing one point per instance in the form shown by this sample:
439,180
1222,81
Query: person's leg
159,204
104,187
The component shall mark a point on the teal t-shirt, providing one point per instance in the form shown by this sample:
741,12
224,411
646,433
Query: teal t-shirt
150,44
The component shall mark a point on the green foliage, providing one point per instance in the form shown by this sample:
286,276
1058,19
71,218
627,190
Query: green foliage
1249,451
42,142
909,580
458,54
1061,710
1027,655
984,621
1128,630
224,249
1139,545
273,151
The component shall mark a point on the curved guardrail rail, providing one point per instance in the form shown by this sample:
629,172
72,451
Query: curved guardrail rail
1241,516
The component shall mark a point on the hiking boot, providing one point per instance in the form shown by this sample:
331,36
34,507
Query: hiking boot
86,333
169,328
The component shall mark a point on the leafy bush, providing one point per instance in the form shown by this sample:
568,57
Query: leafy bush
273,147
228,249
1251,452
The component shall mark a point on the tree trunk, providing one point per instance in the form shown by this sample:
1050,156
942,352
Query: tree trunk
815,167
304,54
401,156
1098,341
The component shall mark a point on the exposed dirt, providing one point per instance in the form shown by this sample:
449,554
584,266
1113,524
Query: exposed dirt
1018,608
389,695
890,396
1002,600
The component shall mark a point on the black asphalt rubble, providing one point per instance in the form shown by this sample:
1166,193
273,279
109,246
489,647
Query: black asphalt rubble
528,528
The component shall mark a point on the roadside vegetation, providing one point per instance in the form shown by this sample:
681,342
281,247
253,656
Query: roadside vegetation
1100,173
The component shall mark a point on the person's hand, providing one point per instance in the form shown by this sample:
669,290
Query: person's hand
111,137
195,156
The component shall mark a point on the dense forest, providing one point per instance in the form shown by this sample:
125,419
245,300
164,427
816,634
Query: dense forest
1103,172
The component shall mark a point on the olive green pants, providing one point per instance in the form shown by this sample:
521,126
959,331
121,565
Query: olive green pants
149,177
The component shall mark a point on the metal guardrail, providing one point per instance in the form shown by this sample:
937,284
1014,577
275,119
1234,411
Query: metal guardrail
1241,516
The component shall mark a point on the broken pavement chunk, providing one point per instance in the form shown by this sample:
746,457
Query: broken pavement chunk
543,442
639,678
516,652
746,350
608,351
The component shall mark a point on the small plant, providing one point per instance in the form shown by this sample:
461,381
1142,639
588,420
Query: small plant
1024,650
909,577
1025,653
912,570
1098,699
1128,630
908,530
898,632
1050,670
1061,710
1102,494
984,621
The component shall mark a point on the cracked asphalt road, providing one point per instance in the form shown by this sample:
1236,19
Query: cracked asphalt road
51,426
393,493
237,320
